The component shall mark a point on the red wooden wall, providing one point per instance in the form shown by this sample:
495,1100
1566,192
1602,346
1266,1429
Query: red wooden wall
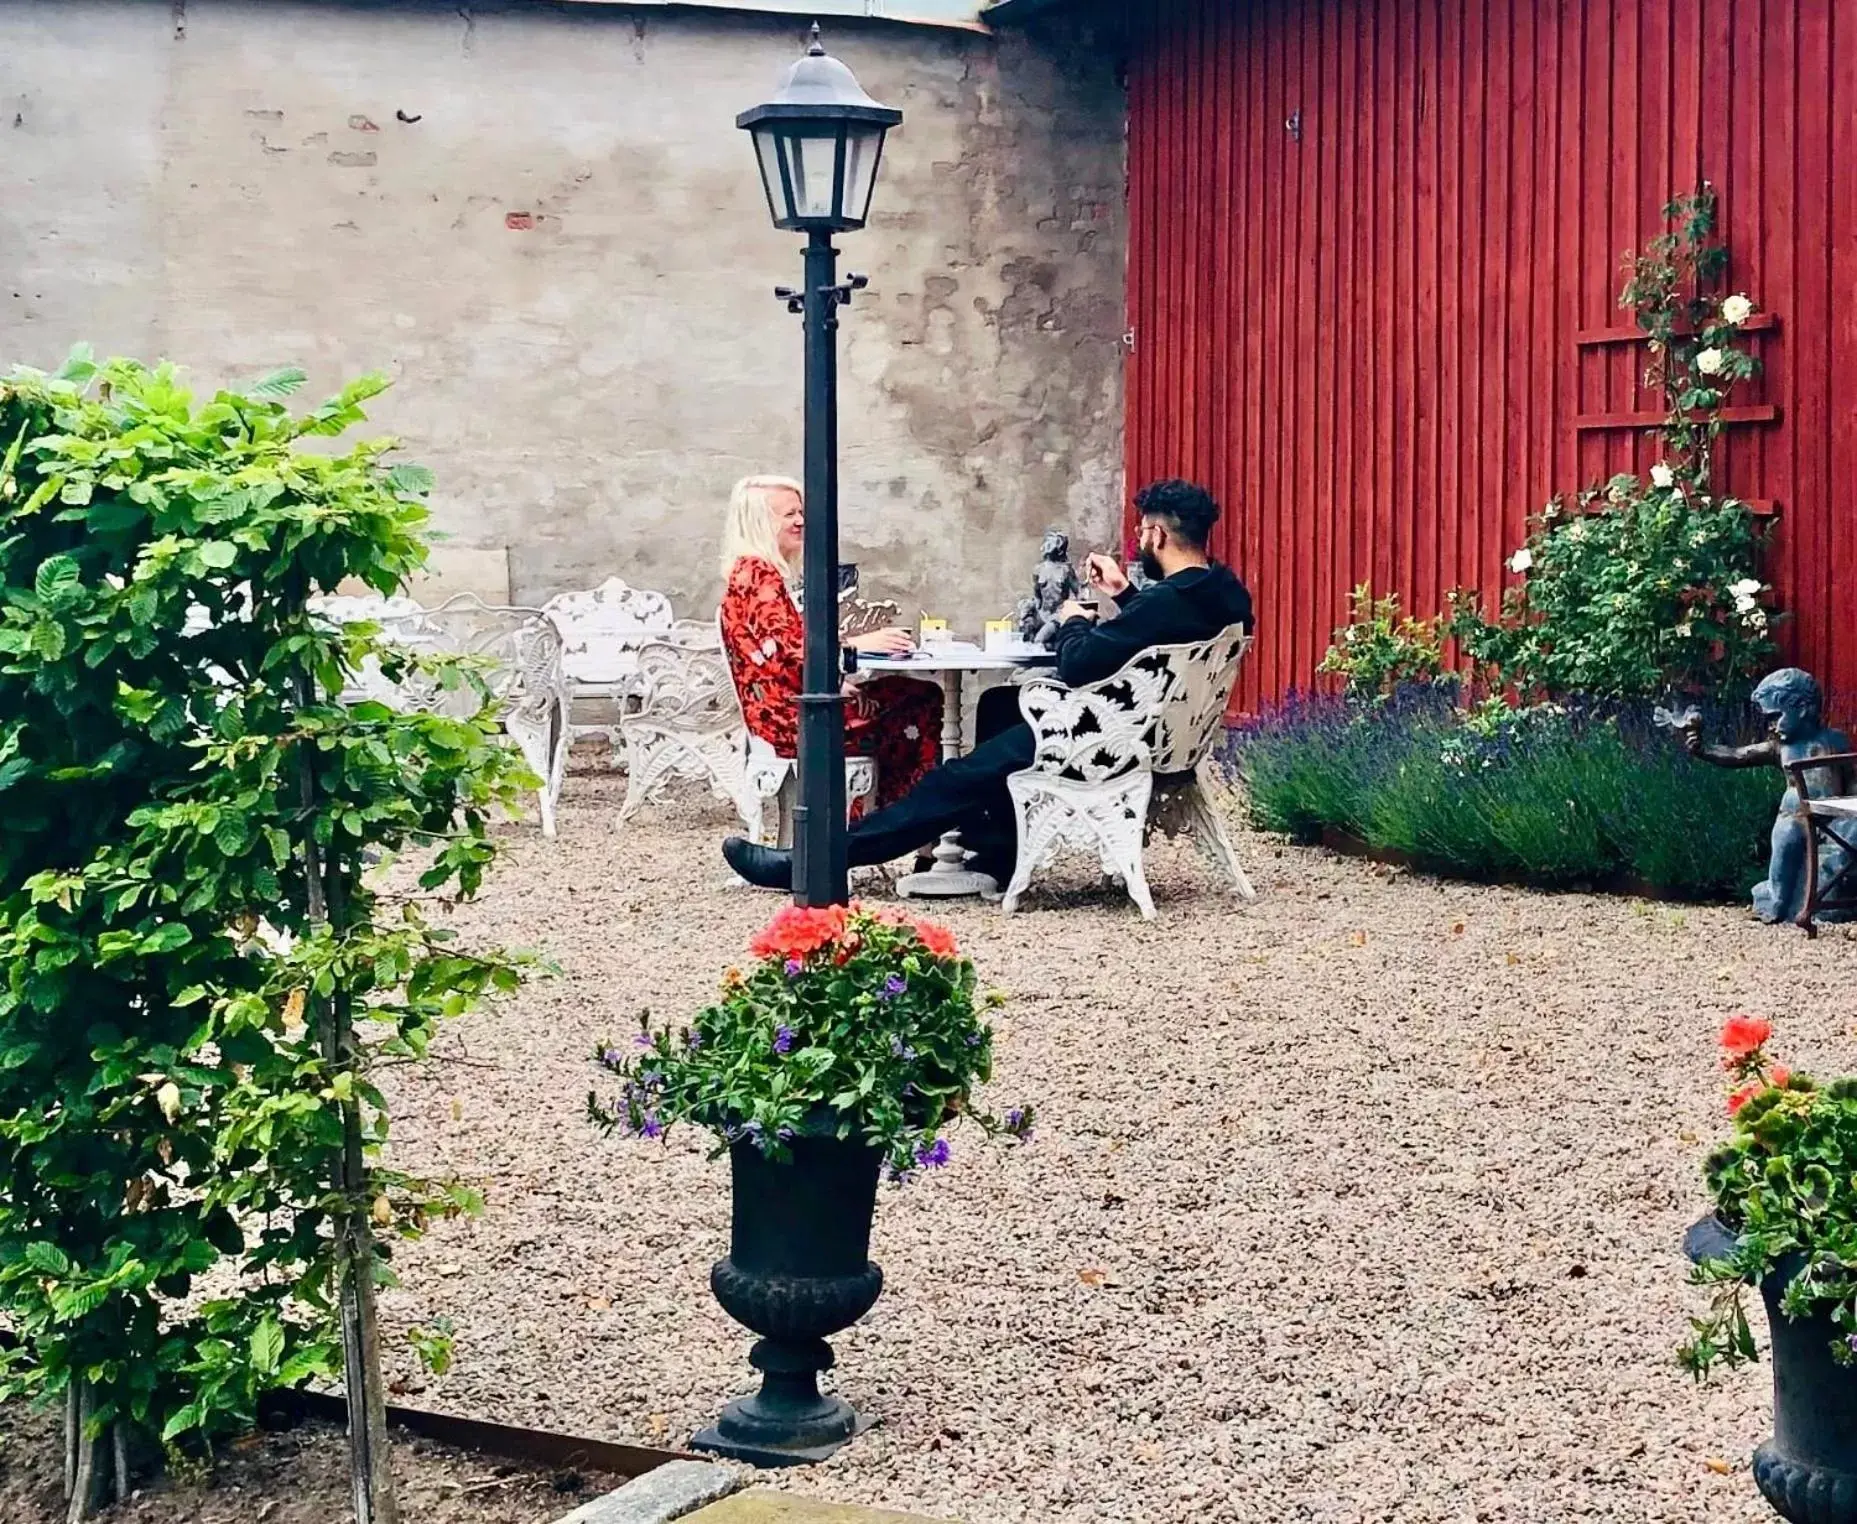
1380,334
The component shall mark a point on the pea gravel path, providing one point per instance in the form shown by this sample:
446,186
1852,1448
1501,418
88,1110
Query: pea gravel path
1359,1203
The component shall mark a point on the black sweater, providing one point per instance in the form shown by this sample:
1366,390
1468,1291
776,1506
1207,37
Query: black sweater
1194,604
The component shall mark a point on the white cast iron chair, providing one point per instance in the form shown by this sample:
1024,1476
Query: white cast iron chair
602,631
1119,757
687,723
773,780
522,647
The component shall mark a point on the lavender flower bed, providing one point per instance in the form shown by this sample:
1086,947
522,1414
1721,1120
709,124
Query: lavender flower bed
1582,793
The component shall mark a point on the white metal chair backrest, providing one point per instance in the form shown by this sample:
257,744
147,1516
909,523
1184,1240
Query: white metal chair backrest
1187,721
602,628
1159,712
523,645
685,684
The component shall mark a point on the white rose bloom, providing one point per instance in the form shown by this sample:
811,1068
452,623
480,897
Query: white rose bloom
1662,476
1745,588
1710,362
1685,629
1737,309
1576,531
1521,560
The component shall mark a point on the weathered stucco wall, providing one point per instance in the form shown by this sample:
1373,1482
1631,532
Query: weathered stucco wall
543,223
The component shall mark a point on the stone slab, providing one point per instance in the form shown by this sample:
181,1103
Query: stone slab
674,1490
759,1506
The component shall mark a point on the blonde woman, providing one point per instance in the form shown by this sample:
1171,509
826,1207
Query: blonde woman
897,720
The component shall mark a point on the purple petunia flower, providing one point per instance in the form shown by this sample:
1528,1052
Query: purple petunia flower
651,1127
973,1039
893,986
901,1049
643,1040
611,1056
693,1040
933,1155
795,968
783,1040
785,1134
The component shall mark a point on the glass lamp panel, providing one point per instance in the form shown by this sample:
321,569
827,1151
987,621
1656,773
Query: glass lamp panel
863,151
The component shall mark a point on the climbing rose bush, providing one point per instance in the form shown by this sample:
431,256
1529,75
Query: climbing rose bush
1785,1184
851,1022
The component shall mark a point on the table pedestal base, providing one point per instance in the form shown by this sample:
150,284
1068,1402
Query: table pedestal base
950,878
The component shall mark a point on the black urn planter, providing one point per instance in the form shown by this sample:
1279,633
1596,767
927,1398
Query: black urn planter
798,1271
1808,1470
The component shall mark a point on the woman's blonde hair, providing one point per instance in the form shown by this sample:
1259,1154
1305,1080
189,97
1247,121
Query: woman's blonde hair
749,528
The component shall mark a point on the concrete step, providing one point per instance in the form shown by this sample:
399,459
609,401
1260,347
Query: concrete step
759,1506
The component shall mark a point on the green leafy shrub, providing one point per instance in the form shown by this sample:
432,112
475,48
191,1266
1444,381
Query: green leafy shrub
1379,650
855,1022
1785,1184
197,974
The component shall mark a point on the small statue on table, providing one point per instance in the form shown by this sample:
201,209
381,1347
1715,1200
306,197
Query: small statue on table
1793,707
1054,583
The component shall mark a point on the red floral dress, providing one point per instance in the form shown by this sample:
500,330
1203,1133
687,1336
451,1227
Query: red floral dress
897,720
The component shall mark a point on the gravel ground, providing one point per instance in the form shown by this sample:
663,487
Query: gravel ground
1362,1202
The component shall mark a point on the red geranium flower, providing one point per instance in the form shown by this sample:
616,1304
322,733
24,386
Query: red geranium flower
937,939
1778,1075
797,932
1741,1035
1742,1096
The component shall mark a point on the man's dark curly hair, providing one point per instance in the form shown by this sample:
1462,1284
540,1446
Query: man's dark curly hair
1189,511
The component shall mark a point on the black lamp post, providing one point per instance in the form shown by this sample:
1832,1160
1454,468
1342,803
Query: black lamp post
818,142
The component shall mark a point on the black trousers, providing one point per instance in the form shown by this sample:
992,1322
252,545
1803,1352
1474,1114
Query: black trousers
967,795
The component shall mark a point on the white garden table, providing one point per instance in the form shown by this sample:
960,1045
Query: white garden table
951,665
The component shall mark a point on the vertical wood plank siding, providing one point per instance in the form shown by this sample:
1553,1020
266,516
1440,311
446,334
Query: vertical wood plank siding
1374,245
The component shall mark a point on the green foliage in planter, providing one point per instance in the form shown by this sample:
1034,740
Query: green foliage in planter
863,1023
197,976
1785,1183
1550,795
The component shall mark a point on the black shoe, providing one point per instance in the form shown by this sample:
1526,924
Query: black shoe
764,867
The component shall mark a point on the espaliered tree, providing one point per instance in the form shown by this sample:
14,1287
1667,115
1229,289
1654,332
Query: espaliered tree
197,973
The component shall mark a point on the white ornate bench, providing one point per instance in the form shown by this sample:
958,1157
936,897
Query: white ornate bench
602,632
522,647
1120,757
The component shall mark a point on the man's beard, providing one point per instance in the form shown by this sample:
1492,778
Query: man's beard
1151,567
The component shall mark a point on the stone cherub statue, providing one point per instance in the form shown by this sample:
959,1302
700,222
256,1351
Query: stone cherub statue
1054,583
1792,705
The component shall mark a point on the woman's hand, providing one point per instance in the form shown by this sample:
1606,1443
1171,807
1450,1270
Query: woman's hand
890,642
1104,575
